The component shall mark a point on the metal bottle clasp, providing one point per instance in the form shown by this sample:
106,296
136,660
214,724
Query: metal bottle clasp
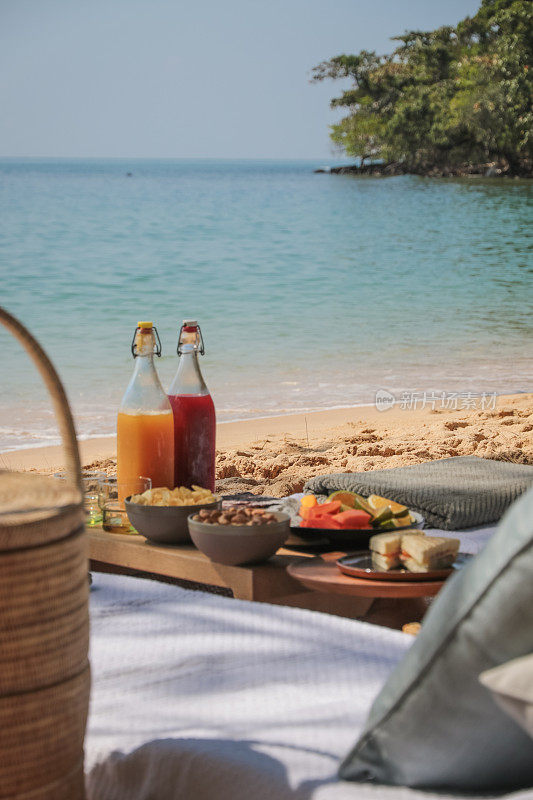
157,343
200,346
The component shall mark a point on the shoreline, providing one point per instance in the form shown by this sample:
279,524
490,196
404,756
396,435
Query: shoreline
96,437
229,433
277,454
488,169
240,420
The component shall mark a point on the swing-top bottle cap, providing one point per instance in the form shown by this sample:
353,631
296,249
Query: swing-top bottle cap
145,325
191,335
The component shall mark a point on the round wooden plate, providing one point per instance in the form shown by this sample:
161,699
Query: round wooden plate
323,575
359,565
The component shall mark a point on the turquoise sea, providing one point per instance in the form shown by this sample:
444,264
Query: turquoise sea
313,291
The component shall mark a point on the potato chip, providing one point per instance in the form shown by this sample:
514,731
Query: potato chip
180,496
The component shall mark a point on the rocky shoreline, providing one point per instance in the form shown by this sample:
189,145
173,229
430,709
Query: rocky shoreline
491,169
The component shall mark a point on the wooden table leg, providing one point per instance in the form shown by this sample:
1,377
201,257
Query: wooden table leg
112,569
339,605
394,612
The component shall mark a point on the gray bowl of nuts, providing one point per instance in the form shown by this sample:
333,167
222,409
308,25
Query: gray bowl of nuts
238,536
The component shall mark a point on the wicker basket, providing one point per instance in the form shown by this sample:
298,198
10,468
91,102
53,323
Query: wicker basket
44,621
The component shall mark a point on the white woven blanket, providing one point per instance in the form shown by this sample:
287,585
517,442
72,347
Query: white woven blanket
230,699
201,697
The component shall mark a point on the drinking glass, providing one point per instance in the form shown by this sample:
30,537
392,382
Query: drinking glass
91,506
111,501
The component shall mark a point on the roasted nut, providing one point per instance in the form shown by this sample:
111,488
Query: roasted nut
236,515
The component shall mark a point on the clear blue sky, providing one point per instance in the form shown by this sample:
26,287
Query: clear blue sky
169,78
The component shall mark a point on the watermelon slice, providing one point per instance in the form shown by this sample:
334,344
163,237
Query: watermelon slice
326,522
325,509
353,519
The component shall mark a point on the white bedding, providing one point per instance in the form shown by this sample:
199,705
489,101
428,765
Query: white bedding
281,691
201,697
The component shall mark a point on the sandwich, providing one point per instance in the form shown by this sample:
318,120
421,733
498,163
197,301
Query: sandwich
385,549
428,553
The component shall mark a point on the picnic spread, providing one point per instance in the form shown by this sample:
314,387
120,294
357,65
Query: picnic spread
264,701
202,696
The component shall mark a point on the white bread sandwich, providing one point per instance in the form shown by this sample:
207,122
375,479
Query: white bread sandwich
386,549
428,553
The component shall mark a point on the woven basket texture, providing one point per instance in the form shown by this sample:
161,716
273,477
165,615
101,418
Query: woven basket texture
44,622
67,787
41,735
35,510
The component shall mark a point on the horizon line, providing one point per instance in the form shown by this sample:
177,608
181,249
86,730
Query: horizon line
175,158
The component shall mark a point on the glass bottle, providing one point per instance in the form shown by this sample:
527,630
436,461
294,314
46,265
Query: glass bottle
145,427
194,414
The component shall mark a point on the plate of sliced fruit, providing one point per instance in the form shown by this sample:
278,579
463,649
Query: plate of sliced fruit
347,518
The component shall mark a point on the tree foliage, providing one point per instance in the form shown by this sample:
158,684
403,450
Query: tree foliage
448,96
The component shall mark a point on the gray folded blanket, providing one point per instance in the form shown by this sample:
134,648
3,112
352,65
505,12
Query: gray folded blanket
451,493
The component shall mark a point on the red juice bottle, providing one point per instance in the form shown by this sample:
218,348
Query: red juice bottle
194,414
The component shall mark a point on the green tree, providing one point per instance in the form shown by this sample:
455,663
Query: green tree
443,97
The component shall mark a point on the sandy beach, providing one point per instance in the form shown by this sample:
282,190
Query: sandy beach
277,455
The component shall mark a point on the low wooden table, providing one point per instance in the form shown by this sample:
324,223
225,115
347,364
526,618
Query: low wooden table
268,582
394,602
271,582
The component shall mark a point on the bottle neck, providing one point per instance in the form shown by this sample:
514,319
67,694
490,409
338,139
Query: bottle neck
144,393
188,378
144,343
144,368
144,365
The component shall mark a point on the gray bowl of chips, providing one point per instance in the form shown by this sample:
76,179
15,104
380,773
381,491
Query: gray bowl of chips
165,524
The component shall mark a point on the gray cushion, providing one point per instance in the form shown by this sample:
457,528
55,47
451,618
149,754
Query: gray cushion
451,493
434,724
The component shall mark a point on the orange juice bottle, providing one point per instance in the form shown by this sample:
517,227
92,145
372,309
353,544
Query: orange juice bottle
145,425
